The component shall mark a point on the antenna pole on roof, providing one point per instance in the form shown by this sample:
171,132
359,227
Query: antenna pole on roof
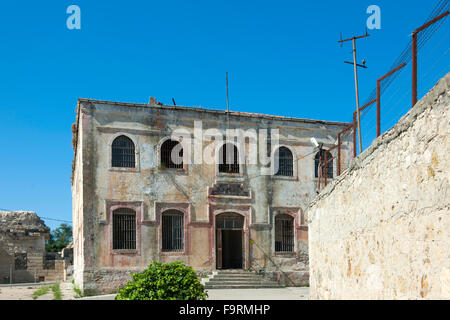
228,106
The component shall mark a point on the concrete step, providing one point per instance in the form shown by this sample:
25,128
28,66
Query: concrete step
237,274
253,281
239,279
241,286
236,280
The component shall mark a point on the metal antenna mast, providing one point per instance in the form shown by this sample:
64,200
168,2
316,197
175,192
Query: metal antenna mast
355,65
226,75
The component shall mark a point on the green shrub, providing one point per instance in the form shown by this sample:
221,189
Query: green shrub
173,281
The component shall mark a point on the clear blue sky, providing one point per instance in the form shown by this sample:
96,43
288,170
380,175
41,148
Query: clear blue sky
282,58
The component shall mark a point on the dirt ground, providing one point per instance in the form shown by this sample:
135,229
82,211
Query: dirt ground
26,292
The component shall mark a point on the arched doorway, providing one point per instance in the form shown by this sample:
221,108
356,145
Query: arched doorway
229,241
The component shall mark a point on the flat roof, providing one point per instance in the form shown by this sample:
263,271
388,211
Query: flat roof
213,111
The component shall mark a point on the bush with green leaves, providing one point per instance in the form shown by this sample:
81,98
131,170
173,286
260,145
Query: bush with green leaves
172,281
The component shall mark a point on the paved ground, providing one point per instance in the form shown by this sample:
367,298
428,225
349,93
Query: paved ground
290,293
26,292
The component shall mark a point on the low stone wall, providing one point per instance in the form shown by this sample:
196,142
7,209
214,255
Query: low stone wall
290,278
381,230
106,280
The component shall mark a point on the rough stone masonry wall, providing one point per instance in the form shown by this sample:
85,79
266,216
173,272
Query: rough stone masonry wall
22,249
382,229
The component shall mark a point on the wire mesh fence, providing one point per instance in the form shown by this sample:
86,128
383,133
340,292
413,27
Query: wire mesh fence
420,65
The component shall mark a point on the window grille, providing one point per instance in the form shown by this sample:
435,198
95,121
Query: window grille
285,162
123,152
20,261
284,233
320,156
166,155
228,159
172,231
124,229
229,221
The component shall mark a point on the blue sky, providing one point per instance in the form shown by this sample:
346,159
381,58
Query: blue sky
282,58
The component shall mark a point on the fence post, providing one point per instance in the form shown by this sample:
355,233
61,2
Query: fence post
354,134
414,53
339,155
378,107
414,69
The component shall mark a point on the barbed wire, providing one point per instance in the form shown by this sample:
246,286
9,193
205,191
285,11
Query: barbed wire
406,55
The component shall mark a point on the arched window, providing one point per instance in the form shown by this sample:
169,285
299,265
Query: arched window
228,159
329,166
172,231
172,154
124,229
284,233
123,152
284,158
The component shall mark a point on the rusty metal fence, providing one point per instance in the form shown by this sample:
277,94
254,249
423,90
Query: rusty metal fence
386,103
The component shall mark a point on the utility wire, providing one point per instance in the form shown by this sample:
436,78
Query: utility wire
3,209
405,56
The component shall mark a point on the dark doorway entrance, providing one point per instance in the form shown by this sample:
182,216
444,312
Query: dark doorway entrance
231,249
229,231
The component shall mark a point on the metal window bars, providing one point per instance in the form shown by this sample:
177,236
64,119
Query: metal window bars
166,155
172,231
124,229
228,159
319,160
229,221
283,157
284,233
123,154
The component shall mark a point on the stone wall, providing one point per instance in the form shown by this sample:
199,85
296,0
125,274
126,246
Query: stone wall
22,249
382,229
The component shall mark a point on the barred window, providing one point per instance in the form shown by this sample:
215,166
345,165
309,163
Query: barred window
172,231
229,221
123,152
20,261
284,233
284,158
320,156
124,229
228,159
172,154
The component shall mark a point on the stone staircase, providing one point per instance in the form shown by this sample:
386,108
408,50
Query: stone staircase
238,279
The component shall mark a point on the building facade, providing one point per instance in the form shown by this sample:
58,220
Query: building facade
23,258
215,189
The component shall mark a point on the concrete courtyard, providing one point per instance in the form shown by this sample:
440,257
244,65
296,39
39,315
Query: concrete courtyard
289,293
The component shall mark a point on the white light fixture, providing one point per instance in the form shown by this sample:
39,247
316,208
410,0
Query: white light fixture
314,142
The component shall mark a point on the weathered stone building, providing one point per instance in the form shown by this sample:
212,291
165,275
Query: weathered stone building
22,249
134,204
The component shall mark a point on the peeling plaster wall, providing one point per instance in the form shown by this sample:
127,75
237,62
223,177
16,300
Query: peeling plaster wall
77,206
382,229
149,190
